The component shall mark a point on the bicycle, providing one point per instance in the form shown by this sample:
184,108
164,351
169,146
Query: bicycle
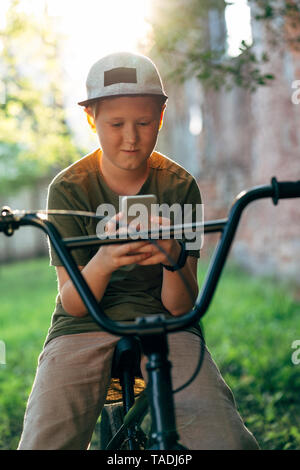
150,332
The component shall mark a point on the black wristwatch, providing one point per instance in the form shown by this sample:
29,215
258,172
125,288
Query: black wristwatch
181,260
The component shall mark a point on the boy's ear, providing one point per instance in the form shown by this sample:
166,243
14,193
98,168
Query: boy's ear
90,118
162,117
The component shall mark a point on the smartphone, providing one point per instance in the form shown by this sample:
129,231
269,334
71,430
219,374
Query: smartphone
138,206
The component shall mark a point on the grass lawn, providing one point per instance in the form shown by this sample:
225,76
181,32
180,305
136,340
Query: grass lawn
249,329
27,293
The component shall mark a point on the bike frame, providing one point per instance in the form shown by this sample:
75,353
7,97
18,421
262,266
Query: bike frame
153,330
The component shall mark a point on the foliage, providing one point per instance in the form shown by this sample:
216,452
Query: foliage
34,134
249,329
193,44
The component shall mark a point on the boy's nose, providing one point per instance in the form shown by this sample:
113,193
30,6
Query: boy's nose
130,134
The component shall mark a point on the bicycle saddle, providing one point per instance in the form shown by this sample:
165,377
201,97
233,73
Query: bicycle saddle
127,356
125,368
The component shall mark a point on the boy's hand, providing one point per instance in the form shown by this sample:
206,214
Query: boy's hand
170,246
112,257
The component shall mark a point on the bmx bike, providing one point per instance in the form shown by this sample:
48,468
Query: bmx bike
148,334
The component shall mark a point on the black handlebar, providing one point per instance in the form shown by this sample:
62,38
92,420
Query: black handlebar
285,189
9,221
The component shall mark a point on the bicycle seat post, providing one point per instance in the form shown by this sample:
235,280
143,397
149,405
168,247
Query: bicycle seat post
160,394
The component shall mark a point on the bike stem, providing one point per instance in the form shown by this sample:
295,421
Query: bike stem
160,393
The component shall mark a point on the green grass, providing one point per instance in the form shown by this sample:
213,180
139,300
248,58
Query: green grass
27,296
249,329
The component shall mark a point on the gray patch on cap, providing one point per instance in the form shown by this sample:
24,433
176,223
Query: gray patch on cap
120,75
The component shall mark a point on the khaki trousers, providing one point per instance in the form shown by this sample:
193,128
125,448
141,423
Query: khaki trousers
71,383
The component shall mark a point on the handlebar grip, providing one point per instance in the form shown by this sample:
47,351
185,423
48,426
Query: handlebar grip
285,189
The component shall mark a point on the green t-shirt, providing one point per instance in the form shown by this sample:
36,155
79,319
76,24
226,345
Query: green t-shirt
133,291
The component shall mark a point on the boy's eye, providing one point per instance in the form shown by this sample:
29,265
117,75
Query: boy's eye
119,124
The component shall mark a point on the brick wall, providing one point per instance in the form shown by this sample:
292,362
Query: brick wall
247,138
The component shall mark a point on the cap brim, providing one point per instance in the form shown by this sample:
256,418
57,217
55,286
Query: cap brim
93,100
87,102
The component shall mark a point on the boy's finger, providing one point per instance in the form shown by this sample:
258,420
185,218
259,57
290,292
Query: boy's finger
158,220
133,259
130,248
113,224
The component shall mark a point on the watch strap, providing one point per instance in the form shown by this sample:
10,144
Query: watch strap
181,260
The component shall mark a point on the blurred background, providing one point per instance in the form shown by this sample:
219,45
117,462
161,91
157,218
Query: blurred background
232,74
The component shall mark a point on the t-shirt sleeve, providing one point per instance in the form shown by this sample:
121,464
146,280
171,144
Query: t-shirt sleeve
62,197
193,213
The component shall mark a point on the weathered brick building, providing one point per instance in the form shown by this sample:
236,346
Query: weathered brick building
245,140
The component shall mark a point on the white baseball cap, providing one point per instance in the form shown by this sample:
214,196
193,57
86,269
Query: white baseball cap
123,73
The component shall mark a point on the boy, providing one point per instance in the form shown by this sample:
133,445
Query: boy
125,106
